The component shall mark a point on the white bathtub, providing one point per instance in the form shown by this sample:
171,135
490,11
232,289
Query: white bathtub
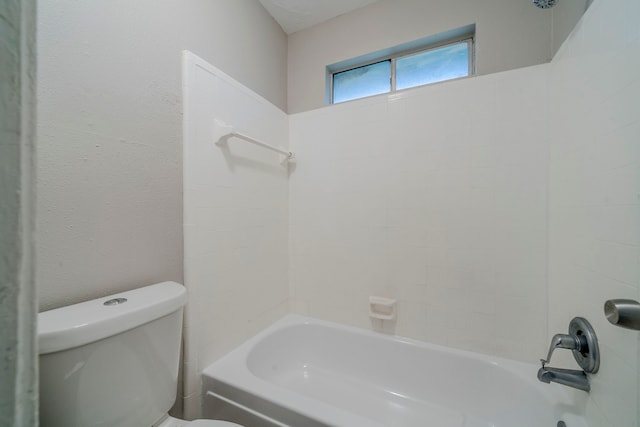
303,372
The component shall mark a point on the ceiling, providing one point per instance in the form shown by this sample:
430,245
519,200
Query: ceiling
296,15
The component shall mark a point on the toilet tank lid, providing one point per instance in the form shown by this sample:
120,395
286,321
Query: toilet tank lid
79,324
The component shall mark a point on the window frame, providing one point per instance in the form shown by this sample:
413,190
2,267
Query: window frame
468,38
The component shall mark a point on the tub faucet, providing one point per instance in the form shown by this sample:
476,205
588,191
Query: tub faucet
569,377
582,341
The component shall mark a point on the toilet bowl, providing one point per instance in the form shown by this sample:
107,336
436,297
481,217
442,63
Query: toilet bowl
114,361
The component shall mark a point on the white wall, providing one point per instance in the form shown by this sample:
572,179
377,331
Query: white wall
509,34
110,120
236,220
18,369
594,208
565,15
436,197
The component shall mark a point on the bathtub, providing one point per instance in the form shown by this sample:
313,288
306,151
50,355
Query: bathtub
302,372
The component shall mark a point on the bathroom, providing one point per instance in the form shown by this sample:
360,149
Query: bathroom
494,209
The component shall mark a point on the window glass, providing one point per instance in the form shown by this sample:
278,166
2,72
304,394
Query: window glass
363,81
431,66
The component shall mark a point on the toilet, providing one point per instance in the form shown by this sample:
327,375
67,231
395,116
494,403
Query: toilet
114,361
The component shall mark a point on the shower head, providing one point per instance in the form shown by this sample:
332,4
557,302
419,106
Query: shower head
544,4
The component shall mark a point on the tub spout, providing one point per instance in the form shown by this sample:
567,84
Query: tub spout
569,377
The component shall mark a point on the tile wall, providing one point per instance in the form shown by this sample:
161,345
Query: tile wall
236,220
594,208
436,197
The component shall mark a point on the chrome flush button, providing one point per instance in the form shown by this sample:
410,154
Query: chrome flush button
115,301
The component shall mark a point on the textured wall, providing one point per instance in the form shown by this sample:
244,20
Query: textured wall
18,397
110,121
236,220
594,206
435,197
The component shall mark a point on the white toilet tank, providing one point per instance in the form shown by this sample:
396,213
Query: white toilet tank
112,361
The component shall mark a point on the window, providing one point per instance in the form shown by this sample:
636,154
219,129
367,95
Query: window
363,81
433,65
402,70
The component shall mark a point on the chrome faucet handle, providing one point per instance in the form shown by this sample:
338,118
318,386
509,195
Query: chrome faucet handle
582,341
568,341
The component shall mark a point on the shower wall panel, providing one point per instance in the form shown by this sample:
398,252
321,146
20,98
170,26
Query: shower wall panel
436,197
235,220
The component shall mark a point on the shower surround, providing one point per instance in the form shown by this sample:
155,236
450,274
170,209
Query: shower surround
493,208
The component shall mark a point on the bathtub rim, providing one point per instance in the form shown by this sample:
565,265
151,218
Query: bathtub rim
231,372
